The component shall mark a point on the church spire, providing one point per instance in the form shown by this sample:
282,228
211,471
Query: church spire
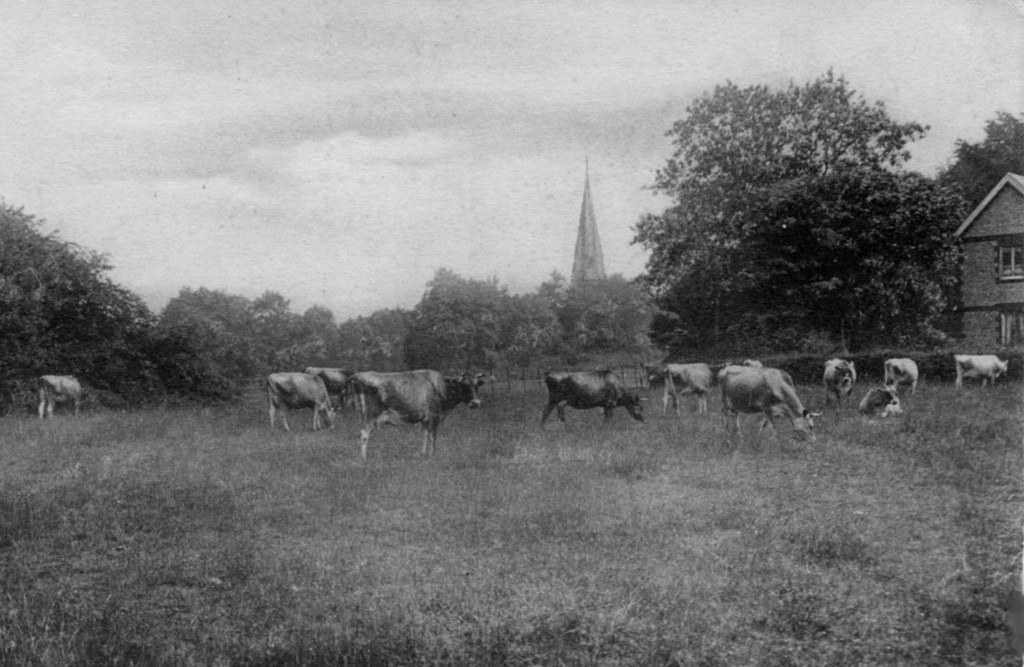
588,263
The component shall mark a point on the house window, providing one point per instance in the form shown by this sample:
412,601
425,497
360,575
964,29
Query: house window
1011,262
1011,327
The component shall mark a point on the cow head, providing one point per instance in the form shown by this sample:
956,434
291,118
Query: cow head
464,388
634,405
804,425
893,406
1001,367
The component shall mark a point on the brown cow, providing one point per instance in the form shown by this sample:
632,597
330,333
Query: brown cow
766,390
421,397
295,391
589,389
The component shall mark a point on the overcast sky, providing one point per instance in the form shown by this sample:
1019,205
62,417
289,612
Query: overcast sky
340,152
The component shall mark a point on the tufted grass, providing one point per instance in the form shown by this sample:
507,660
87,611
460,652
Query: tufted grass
200,536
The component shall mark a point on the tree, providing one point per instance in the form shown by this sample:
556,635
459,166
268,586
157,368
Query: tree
61,313
977,167
768,186
222,328
456,323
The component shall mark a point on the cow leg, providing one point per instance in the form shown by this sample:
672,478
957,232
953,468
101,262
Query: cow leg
284,417
547,412
608,413
913,388
702,404
42,404
664,399
77,401
561,413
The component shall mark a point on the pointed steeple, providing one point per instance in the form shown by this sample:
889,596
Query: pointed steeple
588,263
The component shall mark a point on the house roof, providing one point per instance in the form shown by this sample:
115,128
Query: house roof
1013,180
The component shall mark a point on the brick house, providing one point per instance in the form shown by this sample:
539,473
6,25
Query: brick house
993,268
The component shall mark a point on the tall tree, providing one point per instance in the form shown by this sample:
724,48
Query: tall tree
736,249
977,167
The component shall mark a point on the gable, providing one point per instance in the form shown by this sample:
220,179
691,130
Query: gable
1001,212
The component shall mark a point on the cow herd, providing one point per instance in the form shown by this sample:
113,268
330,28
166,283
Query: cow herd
426,397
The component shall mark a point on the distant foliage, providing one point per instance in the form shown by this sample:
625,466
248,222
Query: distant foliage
977,167
467,323
792,217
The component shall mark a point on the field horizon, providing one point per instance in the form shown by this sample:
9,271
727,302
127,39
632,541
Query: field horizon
198,536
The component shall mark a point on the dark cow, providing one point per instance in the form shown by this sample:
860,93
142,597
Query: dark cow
839,378
986,366
334,379
685,379
55,389
296,391
421,397
587,390
880,402
766,390
901,371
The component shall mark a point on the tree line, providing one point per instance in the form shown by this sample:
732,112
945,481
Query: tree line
61,313
794,224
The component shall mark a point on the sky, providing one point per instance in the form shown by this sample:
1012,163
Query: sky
340,153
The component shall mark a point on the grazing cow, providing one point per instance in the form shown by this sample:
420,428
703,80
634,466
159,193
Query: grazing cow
590,389
881,402
901,371
685,379
986,366
55,389
766,390
334,379
295,391
421,397
839,378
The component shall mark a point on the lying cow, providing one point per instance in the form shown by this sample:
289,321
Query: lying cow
421,397
880,402
839,378
685,379
986,366
334,379
55,389
901,371
296,391
766,390
587,390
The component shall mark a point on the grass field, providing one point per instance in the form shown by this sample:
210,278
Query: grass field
181,537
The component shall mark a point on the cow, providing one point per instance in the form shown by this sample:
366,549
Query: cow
55,389
766,390
334,379
839,378
901,371
423,397
986,366
881,402
685,379
295,391
586,390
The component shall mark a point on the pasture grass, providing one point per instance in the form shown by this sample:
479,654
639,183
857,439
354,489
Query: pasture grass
201,537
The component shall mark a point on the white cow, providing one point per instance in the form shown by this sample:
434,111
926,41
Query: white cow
986,366
881,402
901,371
685,379
766,390
295,391
58,389
839,378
